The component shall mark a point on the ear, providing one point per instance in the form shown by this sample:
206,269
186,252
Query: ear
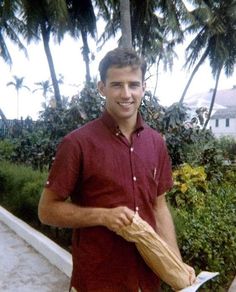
101,88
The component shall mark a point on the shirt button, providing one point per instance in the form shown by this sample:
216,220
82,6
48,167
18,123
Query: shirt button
47,183
134,178
117,134
131,149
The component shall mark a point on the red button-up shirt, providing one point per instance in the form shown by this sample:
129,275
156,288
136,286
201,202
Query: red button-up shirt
97,167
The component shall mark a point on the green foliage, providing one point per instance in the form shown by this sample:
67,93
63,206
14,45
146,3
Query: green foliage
6,149
212,159
184,134
228,148
190,186
21,189
207,235
205,152
152,112
204,214
37,148
35,143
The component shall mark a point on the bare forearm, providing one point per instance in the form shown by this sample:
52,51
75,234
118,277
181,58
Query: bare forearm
57,212
69,215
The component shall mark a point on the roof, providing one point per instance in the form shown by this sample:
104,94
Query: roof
229,112
224,98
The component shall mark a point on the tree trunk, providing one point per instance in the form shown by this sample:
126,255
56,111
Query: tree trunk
204,56
126,37
213,98
45,35
85,53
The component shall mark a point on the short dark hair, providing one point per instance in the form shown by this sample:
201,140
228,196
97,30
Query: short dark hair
119,58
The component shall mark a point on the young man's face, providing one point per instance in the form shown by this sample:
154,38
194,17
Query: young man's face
123,90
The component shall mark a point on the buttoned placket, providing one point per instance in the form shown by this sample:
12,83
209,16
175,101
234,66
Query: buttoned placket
132,162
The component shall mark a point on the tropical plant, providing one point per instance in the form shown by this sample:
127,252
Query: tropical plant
214,25
18,84
227,145
190,186
82,20
44,86
204,224
10,26
43,19
163,20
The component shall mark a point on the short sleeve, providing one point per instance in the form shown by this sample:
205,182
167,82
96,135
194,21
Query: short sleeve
65,169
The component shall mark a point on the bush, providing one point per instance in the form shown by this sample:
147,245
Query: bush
207,237
20,190
228,148
205,217
6,149
190,186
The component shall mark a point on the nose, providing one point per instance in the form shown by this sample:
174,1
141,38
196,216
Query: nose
125,91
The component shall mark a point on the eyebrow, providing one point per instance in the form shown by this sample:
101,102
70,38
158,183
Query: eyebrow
138,83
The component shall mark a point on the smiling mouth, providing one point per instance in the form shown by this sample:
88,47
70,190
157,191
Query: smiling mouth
125,104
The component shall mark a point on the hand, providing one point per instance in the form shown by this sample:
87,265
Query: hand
116,218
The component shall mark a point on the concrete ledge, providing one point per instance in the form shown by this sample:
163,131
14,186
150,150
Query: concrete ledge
45,246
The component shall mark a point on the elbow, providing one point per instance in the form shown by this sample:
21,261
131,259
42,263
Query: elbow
45,208
42,215
44,211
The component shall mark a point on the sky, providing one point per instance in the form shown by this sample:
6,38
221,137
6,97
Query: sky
68,61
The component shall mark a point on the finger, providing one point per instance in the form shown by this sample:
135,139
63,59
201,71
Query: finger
129,214
192,276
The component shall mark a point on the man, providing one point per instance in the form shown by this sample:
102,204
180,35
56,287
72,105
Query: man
111,168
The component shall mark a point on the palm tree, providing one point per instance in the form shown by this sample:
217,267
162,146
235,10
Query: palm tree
82,21
18,83
156,27
215,23
43,18
44,86
10,26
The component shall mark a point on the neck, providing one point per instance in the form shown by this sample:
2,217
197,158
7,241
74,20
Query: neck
127,127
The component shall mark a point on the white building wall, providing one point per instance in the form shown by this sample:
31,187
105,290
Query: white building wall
222,130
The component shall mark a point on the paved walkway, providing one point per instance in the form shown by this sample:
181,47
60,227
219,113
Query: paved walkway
22,269
233,286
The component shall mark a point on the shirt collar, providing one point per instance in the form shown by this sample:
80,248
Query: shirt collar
108,120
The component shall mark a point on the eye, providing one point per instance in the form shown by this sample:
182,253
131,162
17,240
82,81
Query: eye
135,85
116,85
